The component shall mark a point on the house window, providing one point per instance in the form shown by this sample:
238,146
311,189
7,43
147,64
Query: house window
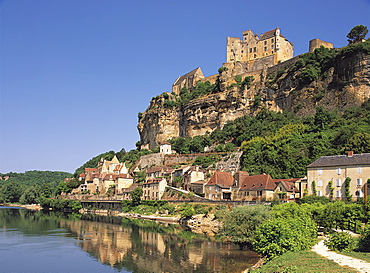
338,194
339,170
265,42
339,182
259,193
272,40
255,49
359,193
319,183
359,170
319,172
250,50
319,193
359,181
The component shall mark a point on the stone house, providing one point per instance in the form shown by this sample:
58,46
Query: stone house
157,172
286,189
165,148
254,188
191,175
334,170
198,187
153,189
110,176
219,186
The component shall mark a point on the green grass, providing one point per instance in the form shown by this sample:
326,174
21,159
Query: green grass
358,255
302,262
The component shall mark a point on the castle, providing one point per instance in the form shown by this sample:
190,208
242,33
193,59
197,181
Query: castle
250,54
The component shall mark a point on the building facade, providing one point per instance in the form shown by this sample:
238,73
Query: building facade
327,175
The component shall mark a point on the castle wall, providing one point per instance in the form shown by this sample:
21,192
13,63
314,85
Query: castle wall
316,43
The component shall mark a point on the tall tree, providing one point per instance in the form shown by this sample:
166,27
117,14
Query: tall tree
357,34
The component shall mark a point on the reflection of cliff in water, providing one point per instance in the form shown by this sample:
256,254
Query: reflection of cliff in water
146,246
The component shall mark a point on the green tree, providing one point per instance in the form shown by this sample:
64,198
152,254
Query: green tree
240,224
30,195
357,34
136,196
11,192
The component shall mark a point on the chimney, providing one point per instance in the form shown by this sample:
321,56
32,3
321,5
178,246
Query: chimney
350,153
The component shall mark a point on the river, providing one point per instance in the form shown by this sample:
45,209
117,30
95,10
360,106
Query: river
35,241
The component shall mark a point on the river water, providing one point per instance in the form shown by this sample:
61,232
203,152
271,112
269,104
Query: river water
34,241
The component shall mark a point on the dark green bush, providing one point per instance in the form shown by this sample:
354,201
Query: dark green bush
341,241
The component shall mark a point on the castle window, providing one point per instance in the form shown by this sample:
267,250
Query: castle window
272,40
272,46
255,49
255,56
265,48
265,42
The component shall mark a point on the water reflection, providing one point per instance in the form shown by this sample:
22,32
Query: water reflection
134,245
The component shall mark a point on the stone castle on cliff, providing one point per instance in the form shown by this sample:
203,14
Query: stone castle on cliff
266,59
250,54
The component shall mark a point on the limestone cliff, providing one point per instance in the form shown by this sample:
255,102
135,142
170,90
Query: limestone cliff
344,82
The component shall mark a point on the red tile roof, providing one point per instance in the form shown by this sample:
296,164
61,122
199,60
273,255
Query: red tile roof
258,182
222,179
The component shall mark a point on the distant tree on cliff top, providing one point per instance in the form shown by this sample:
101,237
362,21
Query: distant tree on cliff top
357,34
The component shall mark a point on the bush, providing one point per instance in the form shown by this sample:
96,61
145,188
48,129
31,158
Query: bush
277,236
364,243
341,241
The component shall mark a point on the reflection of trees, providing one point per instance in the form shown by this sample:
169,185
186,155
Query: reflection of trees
133,244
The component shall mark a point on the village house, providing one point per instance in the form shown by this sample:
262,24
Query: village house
326,176
287,189
255,188
109,177
165,148
153,189
198,187
159,172
192,175
219,186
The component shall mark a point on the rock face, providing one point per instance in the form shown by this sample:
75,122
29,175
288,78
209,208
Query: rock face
345,84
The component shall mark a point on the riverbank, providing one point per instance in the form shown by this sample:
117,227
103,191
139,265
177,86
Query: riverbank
30,207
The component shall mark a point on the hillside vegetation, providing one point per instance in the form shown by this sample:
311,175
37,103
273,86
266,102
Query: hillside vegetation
283,144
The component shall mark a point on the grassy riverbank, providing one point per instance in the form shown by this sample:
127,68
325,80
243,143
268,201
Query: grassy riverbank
302,262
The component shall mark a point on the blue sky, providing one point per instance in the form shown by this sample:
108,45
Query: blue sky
75,73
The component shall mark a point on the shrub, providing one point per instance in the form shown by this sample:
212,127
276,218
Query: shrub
277,236
364,243
341,241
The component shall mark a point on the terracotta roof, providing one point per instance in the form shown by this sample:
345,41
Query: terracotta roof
200,182
288,185
222,179
257,182
153,181
341,160
90,169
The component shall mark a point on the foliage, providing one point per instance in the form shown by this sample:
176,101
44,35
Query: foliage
11,192
341,241
206,160
240,224
291,229
136,196
60,204
347,184
364,243
357,34
311,199
187,211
